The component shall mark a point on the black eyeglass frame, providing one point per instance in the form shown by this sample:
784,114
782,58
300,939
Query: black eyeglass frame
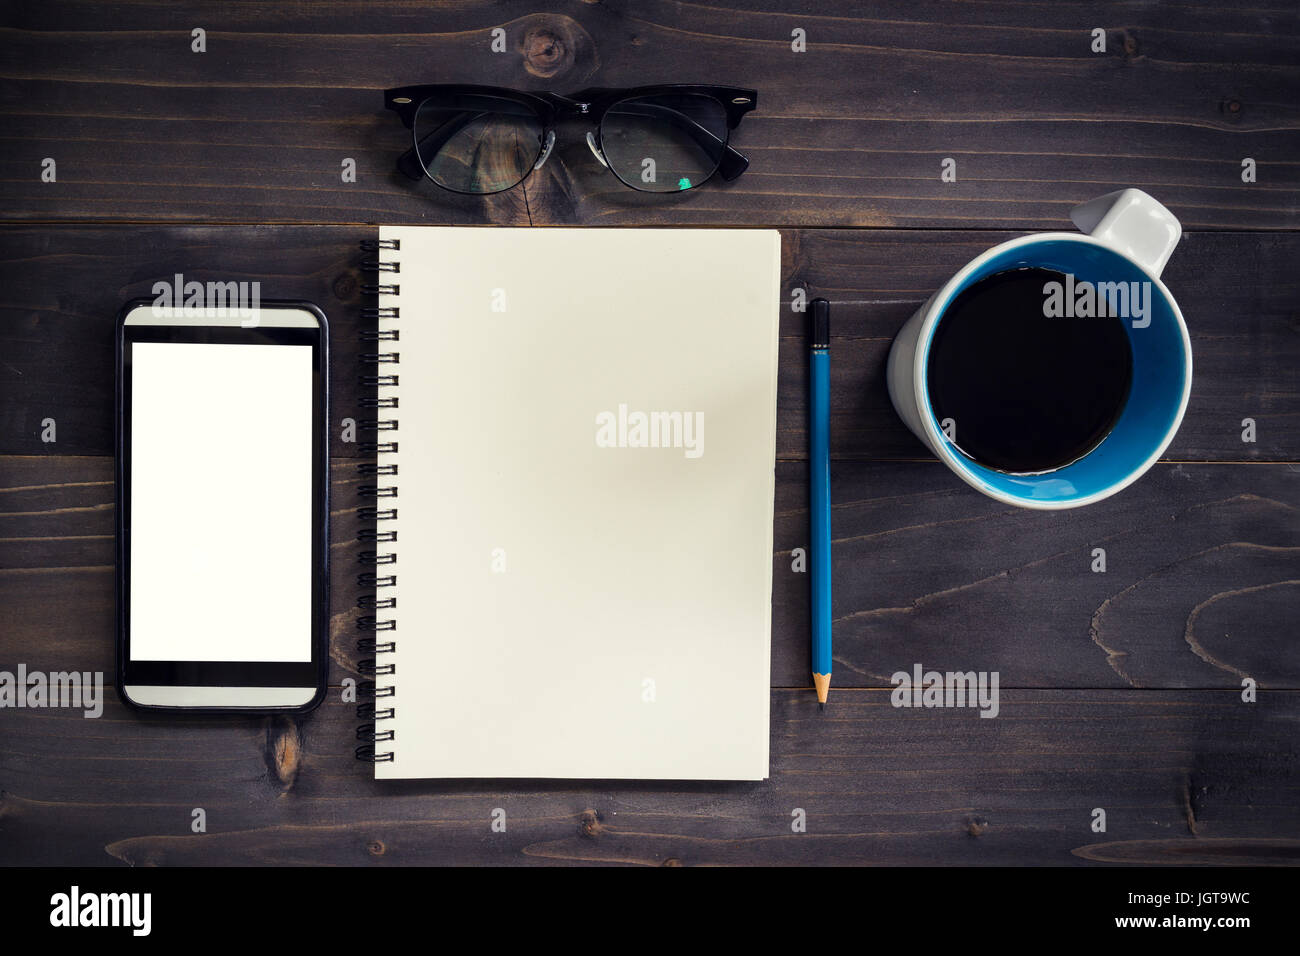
592,103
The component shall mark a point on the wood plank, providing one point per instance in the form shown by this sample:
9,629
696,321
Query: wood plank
64,286
1191,775
849,133
1119,690
1239,294
1199,590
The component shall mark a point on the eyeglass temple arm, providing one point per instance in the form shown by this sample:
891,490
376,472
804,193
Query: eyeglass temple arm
732,163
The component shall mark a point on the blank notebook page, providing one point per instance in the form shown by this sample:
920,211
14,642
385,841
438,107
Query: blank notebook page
585,458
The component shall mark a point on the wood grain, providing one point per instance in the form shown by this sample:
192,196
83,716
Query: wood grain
849,133
1187,776
1120,690
64,285
1201,581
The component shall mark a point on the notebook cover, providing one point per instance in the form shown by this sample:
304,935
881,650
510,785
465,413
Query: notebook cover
587,440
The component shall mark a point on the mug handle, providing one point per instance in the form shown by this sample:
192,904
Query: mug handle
1133,224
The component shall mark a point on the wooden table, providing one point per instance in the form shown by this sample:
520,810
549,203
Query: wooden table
1121,690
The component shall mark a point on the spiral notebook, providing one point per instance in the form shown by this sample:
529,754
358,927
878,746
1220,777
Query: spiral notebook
575,447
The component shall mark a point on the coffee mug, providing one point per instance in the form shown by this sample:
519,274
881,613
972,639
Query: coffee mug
1127,237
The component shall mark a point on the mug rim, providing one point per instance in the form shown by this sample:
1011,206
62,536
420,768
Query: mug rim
921,355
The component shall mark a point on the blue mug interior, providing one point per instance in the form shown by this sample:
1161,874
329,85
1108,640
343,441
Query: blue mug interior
1155,398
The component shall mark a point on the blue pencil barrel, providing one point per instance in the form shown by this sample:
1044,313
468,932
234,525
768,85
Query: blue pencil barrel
819,370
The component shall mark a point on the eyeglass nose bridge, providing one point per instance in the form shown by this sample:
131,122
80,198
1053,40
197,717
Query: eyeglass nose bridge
549,145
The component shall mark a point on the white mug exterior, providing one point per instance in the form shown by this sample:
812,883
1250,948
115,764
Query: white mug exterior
1128,222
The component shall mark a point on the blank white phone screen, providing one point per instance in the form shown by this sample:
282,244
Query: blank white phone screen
221,502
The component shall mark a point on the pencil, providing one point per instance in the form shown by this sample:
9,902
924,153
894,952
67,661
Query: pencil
819,503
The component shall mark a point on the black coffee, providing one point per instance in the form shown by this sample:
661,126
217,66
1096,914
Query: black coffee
1026,393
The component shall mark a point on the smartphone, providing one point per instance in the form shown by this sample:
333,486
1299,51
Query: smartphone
222,507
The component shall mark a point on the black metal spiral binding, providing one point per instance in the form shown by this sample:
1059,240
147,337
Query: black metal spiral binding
373,582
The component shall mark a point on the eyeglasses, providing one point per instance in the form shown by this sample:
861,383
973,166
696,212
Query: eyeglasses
485,139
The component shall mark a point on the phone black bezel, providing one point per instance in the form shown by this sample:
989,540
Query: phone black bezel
313,673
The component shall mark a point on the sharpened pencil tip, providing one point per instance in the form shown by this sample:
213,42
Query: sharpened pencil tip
821,705
823,684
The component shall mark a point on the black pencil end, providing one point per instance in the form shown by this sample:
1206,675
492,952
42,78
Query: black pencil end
819,324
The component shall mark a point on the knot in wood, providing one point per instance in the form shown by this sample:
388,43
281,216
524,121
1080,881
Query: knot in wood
589,824
553,45
546,54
